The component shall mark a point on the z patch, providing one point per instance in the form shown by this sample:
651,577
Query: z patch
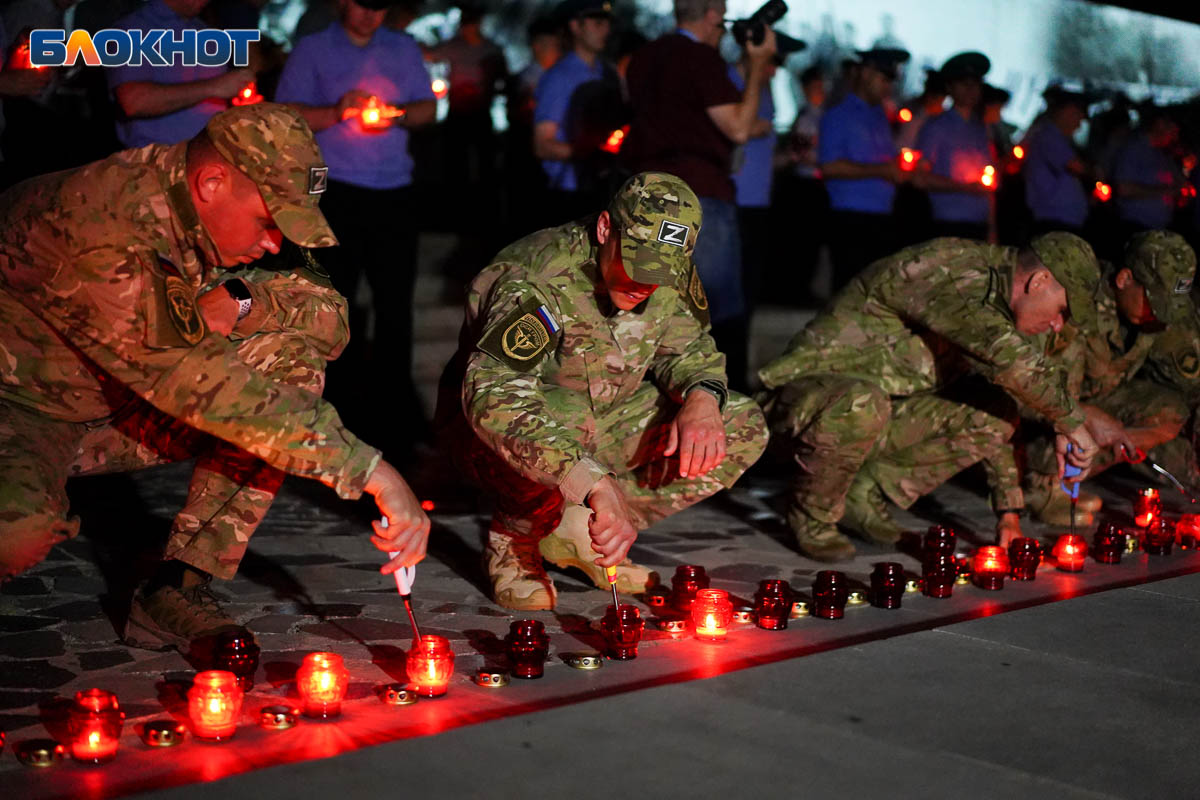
673,233
522,338
318,179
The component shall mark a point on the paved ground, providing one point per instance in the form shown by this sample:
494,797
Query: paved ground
310,583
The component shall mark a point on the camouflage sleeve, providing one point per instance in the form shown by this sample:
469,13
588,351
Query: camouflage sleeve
508,405
688,356
298,301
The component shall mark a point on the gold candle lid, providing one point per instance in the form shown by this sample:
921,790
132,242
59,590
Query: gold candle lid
492,680
673,625
743,614
799,609
963,578
278,718
856,598
39,752
162,733
912,586
398,694
585,660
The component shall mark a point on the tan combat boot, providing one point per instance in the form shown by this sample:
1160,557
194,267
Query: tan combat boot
1048,503
185,617
819,540
570,545
519,581
867,512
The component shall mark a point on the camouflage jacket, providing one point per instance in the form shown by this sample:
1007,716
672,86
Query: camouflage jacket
1174,361
99,272
914,321
542,355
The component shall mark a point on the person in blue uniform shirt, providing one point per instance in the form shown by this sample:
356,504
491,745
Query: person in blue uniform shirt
1146,179
329,78
171,104
955,150
577,106
1054,169
859,162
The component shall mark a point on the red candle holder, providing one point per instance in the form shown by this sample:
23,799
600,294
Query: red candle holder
1187,531
712,614
1147,507
773,604
95,724
237,652
622,628
938,571
687,580
322,680
989,567
1108,543
1159,537
214,705
829,594
940,539
528,646
1069,552
430,665
1024,555
887,584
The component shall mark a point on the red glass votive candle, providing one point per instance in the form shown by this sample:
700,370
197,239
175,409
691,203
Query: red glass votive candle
1024,555
528,646
214,705
1070,551
237,652
712,613
1108,543
1147,507
95,724
773,604
322,681
622,628
989,567
687,580
1159,537
887,584
1187,531
429,665
829,594
938,571
940,539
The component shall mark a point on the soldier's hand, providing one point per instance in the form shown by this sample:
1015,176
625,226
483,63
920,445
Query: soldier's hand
1082,449
1107,430
611,525
698,434
219,309
408,528
1008,527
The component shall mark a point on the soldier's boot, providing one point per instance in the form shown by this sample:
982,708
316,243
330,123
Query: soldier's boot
1048,503
570,545
819,540
867,512
182,613
519,581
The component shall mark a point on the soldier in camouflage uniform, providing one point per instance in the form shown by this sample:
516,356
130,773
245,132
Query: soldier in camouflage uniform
124,341
859,399
587,397
1144,315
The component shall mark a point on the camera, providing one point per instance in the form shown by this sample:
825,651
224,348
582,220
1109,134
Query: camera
754,28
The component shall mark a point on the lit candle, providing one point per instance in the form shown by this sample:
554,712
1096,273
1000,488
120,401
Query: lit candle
248,96
1187,530
1147,507
711,614
322,682
1024,555
989,567
1070,551
528,646
622,628
214,705
430,665
95,726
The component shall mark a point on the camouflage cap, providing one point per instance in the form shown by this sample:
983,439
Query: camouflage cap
658,216
273,146
1073,264
1164,264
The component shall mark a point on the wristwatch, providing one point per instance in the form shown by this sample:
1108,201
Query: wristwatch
238,291
714,388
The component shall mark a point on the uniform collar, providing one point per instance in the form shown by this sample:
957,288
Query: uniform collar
188,229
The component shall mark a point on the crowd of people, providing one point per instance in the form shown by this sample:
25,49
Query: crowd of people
183,297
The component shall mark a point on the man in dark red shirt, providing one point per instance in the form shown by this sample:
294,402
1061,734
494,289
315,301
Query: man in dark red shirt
687,119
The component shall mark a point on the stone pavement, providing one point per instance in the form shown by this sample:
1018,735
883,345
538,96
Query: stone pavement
311,583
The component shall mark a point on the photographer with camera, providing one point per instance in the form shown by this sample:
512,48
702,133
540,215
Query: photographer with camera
687,119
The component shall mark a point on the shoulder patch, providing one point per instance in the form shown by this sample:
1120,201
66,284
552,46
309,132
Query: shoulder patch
311,269
522,339
696,299
172,317
1187,361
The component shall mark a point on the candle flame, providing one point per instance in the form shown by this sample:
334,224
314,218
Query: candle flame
905,115
94,739
1018,152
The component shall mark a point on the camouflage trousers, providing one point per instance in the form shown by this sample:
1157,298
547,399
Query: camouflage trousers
230,490
833,427
628,441
1137,404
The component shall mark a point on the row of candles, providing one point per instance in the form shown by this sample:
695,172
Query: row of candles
216,696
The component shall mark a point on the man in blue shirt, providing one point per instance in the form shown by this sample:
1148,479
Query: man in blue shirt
858,161
1054,170
955,149
171,104
577,106
753,175
329,79
1146,180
